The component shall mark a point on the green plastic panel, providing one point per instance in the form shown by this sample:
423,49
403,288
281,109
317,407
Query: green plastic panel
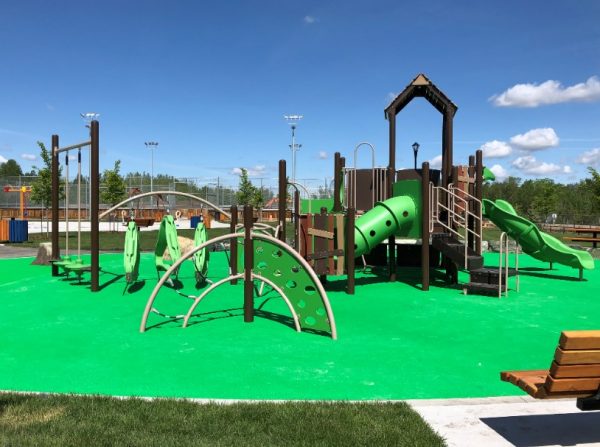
534,242
167,239
315,205
280,267
200,257
131,253
412,189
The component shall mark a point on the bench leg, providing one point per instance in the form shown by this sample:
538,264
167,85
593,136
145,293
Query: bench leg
589,403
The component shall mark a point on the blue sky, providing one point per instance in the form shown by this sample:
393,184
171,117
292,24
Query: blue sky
211,81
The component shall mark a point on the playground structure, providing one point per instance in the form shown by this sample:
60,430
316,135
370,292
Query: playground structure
421,217
23,192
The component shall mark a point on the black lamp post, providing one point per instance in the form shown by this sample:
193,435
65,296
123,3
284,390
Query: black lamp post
415,147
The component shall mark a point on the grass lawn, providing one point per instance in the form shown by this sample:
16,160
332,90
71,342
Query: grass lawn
62,420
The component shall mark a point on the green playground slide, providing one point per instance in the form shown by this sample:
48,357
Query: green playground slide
131,254
389,217
167,238
534,242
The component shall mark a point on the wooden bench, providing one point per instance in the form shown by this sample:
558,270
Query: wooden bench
593,240
574,372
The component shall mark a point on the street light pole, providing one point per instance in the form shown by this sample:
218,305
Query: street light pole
293,121
151,145
415,147
88,118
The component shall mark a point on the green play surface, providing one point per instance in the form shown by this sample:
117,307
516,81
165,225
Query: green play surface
395,342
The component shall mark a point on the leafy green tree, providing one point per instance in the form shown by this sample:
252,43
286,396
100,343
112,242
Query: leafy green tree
594,186
115,189
10,168
246,193
41,188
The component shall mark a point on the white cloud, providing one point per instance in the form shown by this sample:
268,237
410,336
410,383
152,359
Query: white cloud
436,162
323,155
499,172
536,139
549,92
30,157
309,20
2,159
591,157
256,171
496,149
530,165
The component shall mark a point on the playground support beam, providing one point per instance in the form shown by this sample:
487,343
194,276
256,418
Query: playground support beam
350,262
337,182
233,249
248,264
478,193
296,220
447,147
95,204
471,191
282,200
425,227
54,206
390,185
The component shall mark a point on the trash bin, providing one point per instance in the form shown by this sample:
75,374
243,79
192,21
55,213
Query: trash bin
18,231
194,220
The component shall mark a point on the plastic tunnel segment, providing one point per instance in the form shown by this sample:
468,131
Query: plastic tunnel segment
385,219
131,253
534,242
200,257
167,239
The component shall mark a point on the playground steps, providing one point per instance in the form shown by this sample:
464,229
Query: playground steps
486,279
454,249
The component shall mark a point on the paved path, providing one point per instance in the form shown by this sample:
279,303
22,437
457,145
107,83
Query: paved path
8,251
510,421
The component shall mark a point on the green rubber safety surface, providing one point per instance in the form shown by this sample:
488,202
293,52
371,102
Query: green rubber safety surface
395,342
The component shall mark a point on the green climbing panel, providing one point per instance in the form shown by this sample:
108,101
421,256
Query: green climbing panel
280,267
201,256
131,252
167,239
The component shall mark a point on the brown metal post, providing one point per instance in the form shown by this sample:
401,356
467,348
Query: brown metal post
447,147
337,182
425,226
95,204
248,265
296,220
478,190
233,248
281,214
390,185
54,206
350,268
471,191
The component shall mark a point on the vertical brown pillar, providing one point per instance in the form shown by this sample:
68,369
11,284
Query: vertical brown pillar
55,205
478,191
425,226
281,214
95,204
447,150
471,191
350,267
248,265
296,220
337,182
390,184
233,247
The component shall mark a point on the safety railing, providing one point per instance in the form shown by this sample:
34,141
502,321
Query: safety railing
457,214
503,265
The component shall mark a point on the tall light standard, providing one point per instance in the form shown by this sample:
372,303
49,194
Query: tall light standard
88,118
293,121
415,147
151,145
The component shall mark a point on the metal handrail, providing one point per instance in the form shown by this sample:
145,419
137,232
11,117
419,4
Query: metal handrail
503,251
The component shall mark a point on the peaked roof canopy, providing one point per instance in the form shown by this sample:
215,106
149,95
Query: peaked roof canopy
421,86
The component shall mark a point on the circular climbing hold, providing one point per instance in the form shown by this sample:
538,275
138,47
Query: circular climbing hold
310,321
301,304
291,284
310,290
296,269
277,254
321,312
262,265
277,273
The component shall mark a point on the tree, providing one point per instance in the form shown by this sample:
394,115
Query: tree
246,190
115,190
41,188
10,168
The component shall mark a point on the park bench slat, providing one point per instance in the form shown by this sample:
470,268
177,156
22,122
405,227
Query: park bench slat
574,371
581,239
581,356
587,384
580,340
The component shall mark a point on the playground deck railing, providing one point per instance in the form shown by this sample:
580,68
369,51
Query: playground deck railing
457,211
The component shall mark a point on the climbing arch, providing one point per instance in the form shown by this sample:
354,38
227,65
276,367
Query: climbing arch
277,264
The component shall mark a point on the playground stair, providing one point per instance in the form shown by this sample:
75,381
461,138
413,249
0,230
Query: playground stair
487,280
454,249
